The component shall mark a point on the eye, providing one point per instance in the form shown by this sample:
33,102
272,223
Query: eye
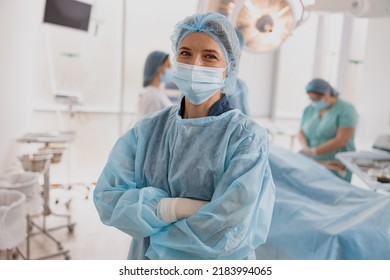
184,53
211,57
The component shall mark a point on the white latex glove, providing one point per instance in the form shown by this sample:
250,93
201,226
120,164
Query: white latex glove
307,151
187,207
166,210
172,209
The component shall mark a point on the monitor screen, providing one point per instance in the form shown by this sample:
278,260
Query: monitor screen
68,13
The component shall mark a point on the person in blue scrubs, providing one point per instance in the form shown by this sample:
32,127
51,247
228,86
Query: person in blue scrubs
327,126
239,100
193,181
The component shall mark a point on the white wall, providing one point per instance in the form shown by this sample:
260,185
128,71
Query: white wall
296,67
353,51
373,95
328,47
257,71
17,49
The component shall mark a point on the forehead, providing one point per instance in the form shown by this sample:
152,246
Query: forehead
199,41
167,62
315,95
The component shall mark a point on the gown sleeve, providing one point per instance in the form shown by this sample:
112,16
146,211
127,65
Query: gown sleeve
118,199
245,104
238,217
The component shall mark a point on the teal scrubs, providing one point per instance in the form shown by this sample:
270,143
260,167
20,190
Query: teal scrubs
319,130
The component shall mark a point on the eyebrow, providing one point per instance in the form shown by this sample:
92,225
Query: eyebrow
206,50
212,51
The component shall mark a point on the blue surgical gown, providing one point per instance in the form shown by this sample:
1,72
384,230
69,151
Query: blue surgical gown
222,159
239,100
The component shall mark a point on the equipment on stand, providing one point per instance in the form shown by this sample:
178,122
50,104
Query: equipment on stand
40,162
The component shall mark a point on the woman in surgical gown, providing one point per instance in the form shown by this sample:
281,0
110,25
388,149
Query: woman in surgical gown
193,181
157,71
327,126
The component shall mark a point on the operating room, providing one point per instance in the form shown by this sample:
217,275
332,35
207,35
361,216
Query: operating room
73,91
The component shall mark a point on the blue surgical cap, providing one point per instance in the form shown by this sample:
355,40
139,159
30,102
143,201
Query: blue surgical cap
321,86
240,37
153,62
218,27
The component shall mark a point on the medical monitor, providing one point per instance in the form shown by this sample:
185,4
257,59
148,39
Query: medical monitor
69,13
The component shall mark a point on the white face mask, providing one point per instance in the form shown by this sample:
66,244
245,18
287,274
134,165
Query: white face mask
166,76
198,83
320,105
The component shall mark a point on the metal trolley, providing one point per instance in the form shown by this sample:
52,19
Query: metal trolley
40,162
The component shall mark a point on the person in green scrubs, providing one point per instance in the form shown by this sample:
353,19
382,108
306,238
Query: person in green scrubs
327,127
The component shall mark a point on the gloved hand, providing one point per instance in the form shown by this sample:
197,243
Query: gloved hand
308,151
166,210
172,209
187,207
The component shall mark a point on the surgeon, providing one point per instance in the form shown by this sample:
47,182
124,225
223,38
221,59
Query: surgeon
327,126
193,181
157,71
239,100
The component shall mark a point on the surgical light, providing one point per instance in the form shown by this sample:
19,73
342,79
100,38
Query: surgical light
265,24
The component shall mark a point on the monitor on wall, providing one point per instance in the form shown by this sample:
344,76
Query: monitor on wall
69,13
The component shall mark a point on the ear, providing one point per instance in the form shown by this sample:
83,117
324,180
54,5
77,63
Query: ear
225,73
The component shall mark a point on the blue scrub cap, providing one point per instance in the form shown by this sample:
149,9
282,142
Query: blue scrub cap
321,86
218,27
240,37
153,62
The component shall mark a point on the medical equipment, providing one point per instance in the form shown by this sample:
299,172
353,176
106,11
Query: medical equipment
370,166
70,13
357,8
68,98
26,183
73,14
12,219
382,142
55,151
40,162
267,24
264,24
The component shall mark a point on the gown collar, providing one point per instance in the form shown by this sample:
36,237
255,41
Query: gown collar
218,108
